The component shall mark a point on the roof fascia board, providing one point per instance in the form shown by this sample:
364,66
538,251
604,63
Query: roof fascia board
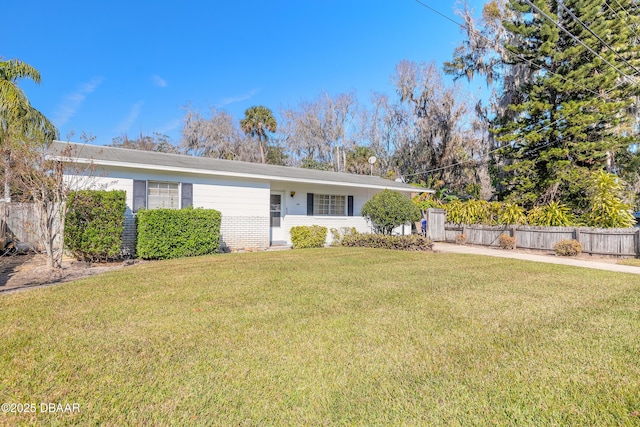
223,173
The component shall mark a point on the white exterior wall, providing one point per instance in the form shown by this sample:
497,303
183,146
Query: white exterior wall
295,208
245,210
244,205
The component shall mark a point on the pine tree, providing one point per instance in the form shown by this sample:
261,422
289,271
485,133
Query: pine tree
566,105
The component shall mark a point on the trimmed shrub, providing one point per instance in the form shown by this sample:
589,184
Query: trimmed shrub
313,236
461,239
389,209
506,242
94,224
568,247
414,242
337,235
171,233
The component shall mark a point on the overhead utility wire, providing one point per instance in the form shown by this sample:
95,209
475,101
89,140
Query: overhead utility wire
517,55
463,26
557,24
632,26
625,11
575,18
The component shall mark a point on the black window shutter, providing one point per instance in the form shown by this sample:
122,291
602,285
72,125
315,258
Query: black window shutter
309,204
349,205
187,195
139,195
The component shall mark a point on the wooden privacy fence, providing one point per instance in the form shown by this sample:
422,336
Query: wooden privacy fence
596,241
22,221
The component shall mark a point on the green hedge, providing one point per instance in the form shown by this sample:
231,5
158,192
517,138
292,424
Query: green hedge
313,236
414,242
170,233
94,224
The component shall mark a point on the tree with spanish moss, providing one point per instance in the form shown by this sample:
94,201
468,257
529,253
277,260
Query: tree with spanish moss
445,141
564,104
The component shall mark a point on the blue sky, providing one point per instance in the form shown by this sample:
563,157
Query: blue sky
110,68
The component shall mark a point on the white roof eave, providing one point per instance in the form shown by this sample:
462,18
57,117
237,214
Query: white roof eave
144,166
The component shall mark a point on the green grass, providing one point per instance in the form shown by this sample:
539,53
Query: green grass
328,336
630,261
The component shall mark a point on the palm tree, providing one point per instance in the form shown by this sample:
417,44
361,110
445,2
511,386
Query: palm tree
257,121
19,121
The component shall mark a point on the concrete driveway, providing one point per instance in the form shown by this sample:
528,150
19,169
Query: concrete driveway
597,263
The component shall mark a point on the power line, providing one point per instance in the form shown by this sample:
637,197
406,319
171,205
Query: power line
625,11
557,24
633,27
485,154
463,26
575,18
517,55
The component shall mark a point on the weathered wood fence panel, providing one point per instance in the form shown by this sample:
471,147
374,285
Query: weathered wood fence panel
485,235
532,237
597,241
451,231
606,241
435,224
22,221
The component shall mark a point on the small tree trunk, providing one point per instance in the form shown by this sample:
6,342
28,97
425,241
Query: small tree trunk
48,231
7,194
262,151
7,175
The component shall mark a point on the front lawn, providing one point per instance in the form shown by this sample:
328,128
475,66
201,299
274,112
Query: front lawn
327,336
630,261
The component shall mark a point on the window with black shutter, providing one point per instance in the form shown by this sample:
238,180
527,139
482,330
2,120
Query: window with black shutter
139,195
187,195
309,204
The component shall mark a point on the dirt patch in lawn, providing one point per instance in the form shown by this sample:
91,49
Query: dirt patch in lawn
30,270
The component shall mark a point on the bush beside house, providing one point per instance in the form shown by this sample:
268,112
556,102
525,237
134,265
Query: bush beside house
389,209
313,236
94,224
412,242
170,233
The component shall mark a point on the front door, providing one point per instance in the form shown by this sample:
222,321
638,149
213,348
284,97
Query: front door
276,217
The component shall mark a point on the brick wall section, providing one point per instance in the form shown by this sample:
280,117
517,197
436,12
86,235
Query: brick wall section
239,232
